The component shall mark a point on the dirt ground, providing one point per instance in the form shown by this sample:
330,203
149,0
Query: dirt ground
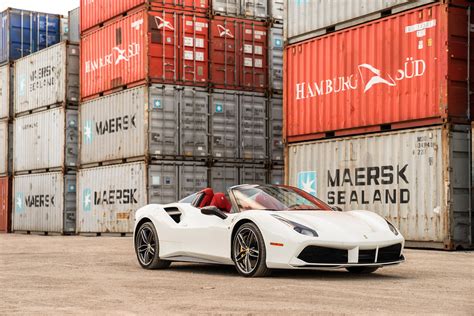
100,275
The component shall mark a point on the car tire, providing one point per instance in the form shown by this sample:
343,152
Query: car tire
248,251
147,248
362,270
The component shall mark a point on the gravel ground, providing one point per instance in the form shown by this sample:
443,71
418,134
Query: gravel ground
100,275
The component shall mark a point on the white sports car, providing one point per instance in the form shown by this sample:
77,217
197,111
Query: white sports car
262,227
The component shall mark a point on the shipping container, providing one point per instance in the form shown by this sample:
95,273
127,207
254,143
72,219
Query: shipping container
308,19
418,179
109,196
225,175
46,140
275,60
24,32
5,204
74,25
239,51
47,78
276,9
277,175
249,9
337,84
238,125
64,28
95,13
158,46
6,89
158,121
275,133
6,147
45,203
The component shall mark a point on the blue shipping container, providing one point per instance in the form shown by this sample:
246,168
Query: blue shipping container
24,32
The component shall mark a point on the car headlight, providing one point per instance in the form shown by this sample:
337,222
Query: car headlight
303,230
392,228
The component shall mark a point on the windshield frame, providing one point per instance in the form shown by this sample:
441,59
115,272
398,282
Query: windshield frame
235,204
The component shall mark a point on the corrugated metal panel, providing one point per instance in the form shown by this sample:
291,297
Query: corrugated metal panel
74,27
194,122
176,53
5,204
277,10
6,133
224,175
256,9
48,77
47,139
277,175
275,63
44,202
253,126
239,51
109,196
6,89
224,107
200,6
275,133
344,93
417,179
310,18
24,32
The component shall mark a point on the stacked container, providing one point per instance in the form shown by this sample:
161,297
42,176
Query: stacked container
343,78
173,99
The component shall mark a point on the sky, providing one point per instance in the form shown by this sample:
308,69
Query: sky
47,6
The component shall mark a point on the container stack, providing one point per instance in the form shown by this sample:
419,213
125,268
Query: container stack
21,33
381,124
174,98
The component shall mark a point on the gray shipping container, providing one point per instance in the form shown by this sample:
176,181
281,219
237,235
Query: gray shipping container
44,202
45,140
238,125
49,77
311,18
109,196
276,146
276,9
156,121
225,175
6,89
74,28
418,179
253,9
275,65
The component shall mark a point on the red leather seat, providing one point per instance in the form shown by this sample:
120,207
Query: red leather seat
204,198
221,202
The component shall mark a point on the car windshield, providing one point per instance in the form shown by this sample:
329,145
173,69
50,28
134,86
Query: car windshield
276,198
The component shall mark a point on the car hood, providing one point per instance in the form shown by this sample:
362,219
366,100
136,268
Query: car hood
345,223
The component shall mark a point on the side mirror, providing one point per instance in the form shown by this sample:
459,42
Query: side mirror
212,210
337,209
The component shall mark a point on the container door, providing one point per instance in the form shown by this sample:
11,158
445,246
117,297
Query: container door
223,176
194,45
256,9
252,175
275,64
277,10
72,139
253,128
276,129
255,60
226,7
4,36
163,183
224,125
225,53
277,175
70,203
163,111
192,179
21,33
194,122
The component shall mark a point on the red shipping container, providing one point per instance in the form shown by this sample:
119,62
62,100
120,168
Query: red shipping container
239,54
405,70
5,204
96,12
147,46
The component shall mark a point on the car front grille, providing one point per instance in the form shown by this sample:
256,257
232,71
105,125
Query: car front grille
315,254
390,253
367,256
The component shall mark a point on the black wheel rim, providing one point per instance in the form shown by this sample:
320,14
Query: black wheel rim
246,250
146,245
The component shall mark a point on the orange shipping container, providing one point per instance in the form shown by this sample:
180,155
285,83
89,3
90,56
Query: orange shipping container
5,204
405,70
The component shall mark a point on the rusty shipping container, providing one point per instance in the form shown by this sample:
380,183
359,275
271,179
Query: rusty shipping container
96,12
45,140
109,196
308,19
49,77
148,121
158,46
356,81
418,179
239,50
6,90
45,203
5,204
6,135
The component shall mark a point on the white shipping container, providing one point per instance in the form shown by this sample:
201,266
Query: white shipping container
46,78
44,202
45,140
5,146
256,9
159,120
5,91
310,18
418,179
